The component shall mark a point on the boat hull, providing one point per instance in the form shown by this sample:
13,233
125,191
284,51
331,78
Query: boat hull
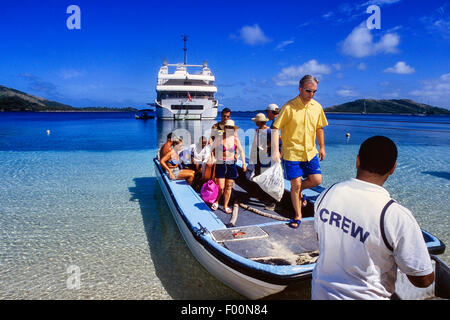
250,287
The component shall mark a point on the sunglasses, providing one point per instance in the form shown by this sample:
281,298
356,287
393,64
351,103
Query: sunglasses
310,91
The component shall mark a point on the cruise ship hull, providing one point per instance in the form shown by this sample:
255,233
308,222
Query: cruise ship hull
178,109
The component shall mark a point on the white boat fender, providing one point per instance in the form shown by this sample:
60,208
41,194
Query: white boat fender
234,215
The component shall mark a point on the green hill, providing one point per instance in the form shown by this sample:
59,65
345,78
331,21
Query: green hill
396,106
15,100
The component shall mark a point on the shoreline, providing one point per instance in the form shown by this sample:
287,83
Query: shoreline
238,113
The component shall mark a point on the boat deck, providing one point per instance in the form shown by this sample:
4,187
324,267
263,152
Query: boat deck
273,243
267,239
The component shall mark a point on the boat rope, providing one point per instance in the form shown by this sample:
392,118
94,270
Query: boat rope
262,213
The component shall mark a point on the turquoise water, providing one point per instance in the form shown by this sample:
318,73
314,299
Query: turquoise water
85,196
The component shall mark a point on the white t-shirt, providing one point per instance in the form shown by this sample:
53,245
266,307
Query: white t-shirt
354,261
193,154
201,155
186,154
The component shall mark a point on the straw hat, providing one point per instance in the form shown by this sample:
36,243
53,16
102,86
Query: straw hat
260,117
230,123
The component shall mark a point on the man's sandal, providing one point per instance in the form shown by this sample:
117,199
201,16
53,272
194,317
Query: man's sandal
292,221
303,200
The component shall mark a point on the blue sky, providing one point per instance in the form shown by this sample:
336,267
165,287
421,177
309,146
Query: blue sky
257,50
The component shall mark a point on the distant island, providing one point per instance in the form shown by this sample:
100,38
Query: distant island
392,106
15,100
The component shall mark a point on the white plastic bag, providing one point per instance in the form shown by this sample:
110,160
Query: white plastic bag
272,181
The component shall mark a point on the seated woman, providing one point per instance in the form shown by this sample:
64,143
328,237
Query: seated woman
172,164
166,147
225,148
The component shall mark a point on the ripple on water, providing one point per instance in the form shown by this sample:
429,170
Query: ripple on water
65,209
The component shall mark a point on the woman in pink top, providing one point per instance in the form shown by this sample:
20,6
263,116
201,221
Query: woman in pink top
225,148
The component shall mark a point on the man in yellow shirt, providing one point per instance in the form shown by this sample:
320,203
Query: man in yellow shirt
301,121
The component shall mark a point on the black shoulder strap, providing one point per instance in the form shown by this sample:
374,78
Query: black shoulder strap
383,233
325,194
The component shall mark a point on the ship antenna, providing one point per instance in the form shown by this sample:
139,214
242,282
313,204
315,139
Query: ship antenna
185,49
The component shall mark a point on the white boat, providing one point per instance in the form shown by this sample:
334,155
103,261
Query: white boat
259,255
183,94
145,114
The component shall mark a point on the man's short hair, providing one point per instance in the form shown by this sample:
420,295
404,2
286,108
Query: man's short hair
225,110
377,154
307,78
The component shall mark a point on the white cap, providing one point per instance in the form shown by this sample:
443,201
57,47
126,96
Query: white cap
273,107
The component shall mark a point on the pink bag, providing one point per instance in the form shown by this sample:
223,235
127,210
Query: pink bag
209,192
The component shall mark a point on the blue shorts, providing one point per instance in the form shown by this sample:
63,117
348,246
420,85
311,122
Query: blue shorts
226,170
295,169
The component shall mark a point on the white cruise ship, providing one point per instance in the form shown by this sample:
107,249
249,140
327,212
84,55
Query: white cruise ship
184,95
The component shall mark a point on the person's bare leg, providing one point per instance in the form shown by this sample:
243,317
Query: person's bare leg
221,183
227,193
312,181
186,174
296,185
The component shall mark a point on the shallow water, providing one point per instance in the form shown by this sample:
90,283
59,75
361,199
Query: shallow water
85,195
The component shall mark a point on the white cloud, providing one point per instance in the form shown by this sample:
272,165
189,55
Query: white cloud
445,77
437,90
359,43
283,44
391,95
347,93
362,66
379,2
400,68
337,66
438,22
291,75
352,10
252,35
71,73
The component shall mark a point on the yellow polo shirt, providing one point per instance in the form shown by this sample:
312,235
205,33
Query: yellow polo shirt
298,124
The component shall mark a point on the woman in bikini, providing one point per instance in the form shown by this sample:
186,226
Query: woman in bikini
225,148
171,162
